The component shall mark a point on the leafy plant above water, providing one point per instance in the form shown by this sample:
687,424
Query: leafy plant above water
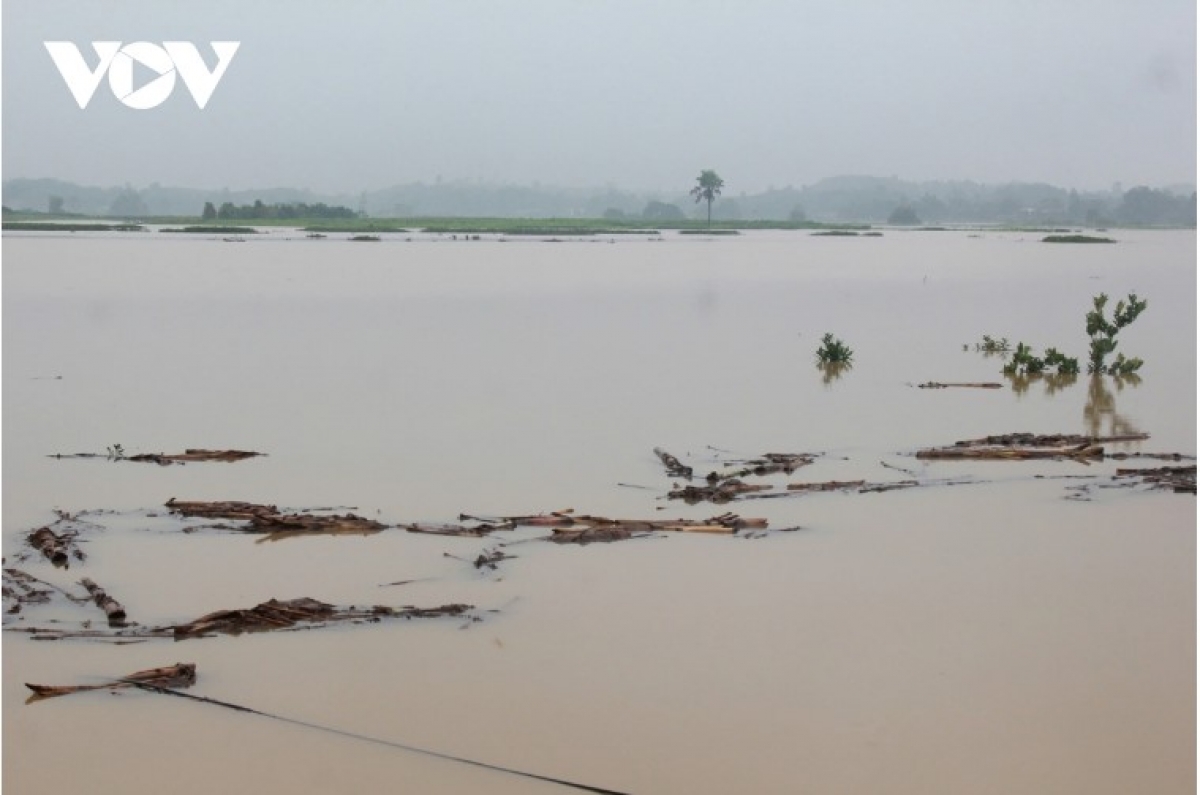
1023,362
1104,334
834,351
992,345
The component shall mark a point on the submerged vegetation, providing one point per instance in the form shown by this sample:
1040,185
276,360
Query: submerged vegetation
69,226
1023,362
1076,239
214,230
834,351
1103,334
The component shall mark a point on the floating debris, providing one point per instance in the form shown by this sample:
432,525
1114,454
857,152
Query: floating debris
268,519
767,464
117,453
720,491
111,607
939,385
179,675
675,468
21,589
57,548
1079,452
829,485
1181,480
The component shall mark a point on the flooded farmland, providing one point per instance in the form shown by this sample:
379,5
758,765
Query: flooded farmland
1000,626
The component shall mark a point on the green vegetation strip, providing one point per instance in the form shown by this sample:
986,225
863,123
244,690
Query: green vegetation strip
215,230
51,226
1076,239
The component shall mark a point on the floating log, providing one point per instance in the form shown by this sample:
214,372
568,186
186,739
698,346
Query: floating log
309,523
222,509
193,454
675,467
111,607
50,544
977,385
1049,440
829,485
179,675
1079,452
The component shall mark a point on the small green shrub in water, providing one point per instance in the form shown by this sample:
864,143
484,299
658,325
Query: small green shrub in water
1023,362
834,351
992,345
1104,335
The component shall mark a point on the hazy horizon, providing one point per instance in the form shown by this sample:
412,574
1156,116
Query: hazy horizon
642,96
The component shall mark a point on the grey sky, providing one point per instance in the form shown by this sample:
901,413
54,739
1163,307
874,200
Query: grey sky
349,96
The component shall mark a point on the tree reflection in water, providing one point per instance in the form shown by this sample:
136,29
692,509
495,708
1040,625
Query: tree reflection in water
1100,412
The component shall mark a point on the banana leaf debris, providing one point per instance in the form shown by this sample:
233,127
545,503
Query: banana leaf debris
275,614
271,615
177,676
268,518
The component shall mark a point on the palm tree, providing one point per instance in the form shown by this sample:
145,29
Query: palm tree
708,187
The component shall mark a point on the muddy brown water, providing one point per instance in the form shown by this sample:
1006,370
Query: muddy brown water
1010,635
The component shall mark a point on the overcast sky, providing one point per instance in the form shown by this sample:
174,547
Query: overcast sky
641,94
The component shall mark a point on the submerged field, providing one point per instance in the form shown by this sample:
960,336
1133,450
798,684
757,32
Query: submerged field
977,626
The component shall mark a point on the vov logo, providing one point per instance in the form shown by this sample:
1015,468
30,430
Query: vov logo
172,58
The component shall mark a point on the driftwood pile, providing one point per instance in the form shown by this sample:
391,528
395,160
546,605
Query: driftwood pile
268,519
1181,480
275,614
567,527
1025,446
272,615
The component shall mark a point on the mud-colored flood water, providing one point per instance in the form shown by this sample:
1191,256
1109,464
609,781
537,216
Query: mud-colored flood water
1031,629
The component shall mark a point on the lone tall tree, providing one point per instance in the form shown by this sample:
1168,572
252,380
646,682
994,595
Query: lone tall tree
708,187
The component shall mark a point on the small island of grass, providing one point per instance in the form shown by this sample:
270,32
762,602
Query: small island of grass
214,230
1076,239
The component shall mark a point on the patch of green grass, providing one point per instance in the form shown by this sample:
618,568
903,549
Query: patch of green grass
52,226
214,230
1076,239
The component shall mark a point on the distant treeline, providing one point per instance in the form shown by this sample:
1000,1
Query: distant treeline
835,200
259,210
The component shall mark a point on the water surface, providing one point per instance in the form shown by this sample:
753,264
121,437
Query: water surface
1002,636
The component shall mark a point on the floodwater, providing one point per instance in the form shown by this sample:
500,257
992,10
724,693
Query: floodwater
1029,631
